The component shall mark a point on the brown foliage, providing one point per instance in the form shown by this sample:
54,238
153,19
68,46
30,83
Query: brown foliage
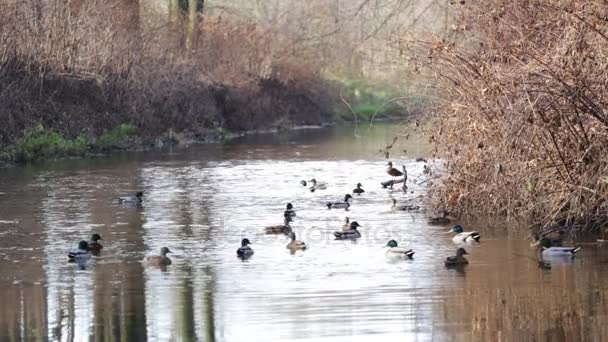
524,122
83,67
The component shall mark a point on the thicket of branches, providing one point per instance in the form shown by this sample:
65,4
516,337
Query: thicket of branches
523,115
83,67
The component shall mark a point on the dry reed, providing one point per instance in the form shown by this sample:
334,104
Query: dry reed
523,124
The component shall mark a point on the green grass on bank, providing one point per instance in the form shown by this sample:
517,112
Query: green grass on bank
366,98
41,143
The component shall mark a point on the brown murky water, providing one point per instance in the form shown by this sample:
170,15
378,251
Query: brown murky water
201,201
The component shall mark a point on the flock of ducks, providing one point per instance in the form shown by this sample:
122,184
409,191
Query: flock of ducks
547,244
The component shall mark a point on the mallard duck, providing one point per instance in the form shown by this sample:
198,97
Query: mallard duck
392,171
340,205
244,252
81,253
94,246
403,207
462,236
289,210
457,260
136,199
352,234
398,252
295,245
159,260
317,185
358,189
440,220
346,225
548,249
284,228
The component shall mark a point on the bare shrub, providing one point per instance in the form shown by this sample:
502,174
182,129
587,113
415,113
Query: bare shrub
83,67
523,120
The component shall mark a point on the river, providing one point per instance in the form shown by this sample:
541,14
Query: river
202,200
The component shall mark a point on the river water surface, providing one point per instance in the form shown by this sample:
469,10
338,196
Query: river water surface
201,201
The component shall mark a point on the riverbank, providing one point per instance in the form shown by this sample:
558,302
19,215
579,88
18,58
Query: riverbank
76,81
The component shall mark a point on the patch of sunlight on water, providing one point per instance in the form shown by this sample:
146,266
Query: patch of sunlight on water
201,201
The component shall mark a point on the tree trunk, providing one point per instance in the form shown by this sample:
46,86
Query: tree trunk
191,29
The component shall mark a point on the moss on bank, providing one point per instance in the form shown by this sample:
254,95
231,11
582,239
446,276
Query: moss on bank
44,143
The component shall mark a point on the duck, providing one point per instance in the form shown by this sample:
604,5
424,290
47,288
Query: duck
548,249
244,252
440,220
289,210
80,254
346,225
393,172
295,245
404,207
340,205
358,189
136,199
457,260
351,234
394,251
462,236
317,185
314,185
94,246
159,260
284,228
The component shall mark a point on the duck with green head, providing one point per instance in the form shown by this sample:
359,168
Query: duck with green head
340,205
394,251
295,245
545,246
458,260
244,252
80,254
351,234
464,237
159,260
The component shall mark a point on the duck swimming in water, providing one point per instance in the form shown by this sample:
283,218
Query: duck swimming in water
136,199
314,185
81,254
404,207
393,172
549,250
340,205
440,220
295,245
346,225
351,234
458,260
94,246
394,251
284,228
358,190
289,210
159,260
462,236
244,252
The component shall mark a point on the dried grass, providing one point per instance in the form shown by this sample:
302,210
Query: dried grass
523,124
86,67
